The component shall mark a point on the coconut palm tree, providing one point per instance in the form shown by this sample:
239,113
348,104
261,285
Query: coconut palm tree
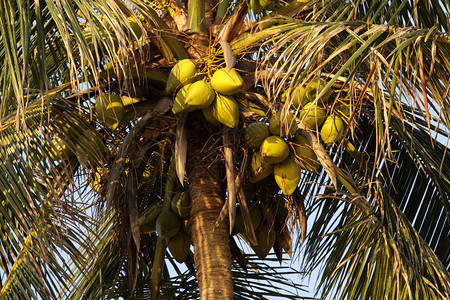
100,139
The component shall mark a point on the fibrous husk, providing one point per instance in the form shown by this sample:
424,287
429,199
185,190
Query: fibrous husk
266,239
179,105
110,109
184,72
312,115
200,94
274,150
167,224
259,168
256,133
181,204
287,176
226,110
332,129
305,155
90,150
282,125
227,83
179,246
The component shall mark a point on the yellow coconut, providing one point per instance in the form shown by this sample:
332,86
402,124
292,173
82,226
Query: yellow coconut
110,109
282,125
184,72
312,115
259,168
179,246
59,149
226,110
200,94
209,116
332,129
167,224
305,154
227,83
181,204
287,176
256,133
266,239
298,96
315,87
179,105
274,150
90,150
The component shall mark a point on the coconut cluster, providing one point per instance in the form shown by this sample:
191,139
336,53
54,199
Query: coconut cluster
214,96
172,224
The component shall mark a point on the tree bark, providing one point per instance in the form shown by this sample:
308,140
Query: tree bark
212,253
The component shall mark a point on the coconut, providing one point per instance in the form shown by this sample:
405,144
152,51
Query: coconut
282,125
226,110
287,176
181,204
305,154
90,149
266,239
200,94
259,168
184,72
179,105
255,215
312,115
110,109
167,224
332,129
227,83
256,133
137,30
186,226
274,150
315,87
179,246
298,96
209,116
59,149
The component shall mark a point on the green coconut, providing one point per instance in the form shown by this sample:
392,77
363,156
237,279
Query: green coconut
274,150
259,168
255,215
287,176
110,109
282,125
137,30
315,87
332,129
312,115
181,204
256,133
298,96
227,83
90,150
179,246
209,116
186,226
226,110
184,72
266,239
200,94
59,149
167,224
305,154
179,105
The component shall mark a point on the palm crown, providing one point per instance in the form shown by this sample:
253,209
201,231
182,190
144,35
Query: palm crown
240,120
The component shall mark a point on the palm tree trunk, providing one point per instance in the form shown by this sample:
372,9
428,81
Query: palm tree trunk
212,253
